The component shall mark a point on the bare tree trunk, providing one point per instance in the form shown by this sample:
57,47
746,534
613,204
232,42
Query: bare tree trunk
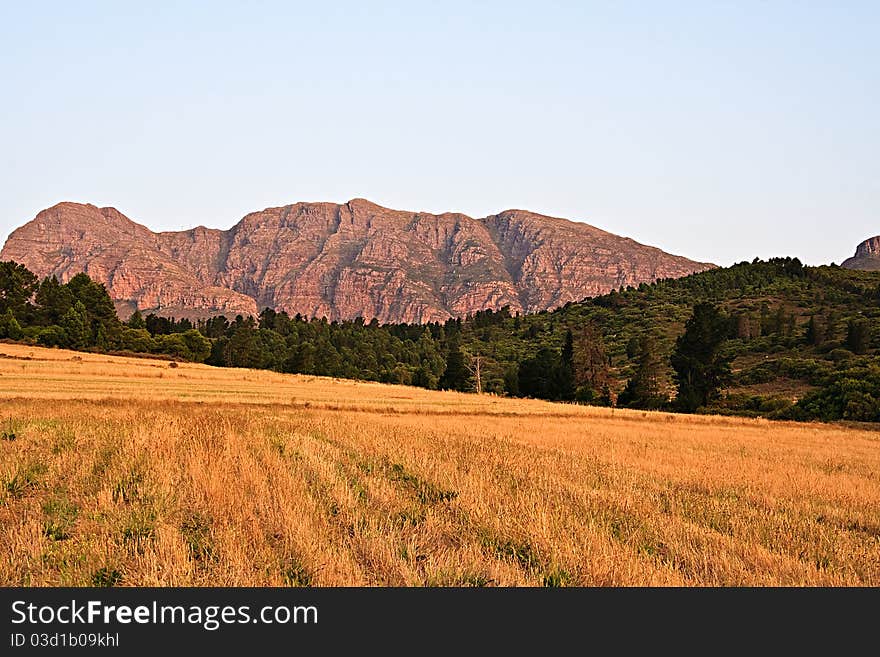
476,368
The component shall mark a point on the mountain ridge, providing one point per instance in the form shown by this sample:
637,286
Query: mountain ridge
341,261
867,256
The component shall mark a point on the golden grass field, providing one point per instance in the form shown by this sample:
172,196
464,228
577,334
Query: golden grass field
132,472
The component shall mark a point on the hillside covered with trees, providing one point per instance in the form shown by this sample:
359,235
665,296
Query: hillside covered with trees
767,338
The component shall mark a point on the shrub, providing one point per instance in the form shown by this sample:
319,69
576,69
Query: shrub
137,340
52,336
841,355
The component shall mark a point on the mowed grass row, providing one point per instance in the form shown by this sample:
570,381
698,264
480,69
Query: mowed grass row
356,489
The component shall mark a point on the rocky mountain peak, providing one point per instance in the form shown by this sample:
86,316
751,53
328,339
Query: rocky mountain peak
867,256
341,261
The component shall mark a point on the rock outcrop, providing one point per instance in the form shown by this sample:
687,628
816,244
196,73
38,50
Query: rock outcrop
867,257
343,261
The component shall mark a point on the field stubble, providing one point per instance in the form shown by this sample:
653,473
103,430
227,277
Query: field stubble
117,471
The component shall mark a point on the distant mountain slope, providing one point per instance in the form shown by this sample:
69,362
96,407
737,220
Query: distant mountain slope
340,261
867,257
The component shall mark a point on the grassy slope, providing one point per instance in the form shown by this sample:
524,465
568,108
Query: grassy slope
663,309
128,471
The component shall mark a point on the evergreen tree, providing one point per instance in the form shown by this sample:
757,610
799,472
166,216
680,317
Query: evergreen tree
700,366
632,347
832,322
172,344
565,386
52,301
815,332
216,327
431,363
858,335
537,376
779,322
511,379
644,390
158,325
94,298
243,348
197,345
17,285
76,326
102,342
456,376
590,363
9,326
766,324
136,320
267,318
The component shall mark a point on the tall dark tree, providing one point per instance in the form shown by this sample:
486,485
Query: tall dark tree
243,349
52,301
9,326
592,374
832,325
17,285
136,321
858,335
700,365
537,375
565,383
76,327
157,325
644,389
267,318
456,376
94,297
198,346
511,379
632,347
216,327
815,332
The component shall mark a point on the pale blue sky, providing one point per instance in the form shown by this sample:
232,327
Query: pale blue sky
716,130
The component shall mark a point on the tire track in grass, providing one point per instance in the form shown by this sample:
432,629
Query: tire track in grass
463,528
357,510
303,525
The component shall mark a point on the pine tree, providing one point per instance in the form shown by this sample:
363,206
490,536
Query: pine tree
243,348
102,342
590,363
76,326
456,375
17,284
700,366
537,376
815,333
832,321
198,346
565,387
53,300
858,335
136,321
9,326
644,390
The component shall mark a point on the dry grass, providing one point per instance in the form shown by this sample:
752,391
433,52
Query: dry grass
127,471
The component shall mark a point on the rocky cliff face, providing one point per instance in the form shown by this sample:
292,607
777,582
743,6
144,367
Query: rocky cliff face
340,261
867,256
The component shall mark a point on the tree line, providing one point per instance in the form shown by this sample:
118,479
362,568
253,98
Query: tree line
582,353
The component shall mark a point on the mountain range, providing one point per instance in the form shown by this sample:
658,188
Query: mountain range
340,261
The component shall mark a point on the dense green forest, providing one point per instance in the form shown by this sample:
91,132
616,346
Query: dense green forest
767,338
